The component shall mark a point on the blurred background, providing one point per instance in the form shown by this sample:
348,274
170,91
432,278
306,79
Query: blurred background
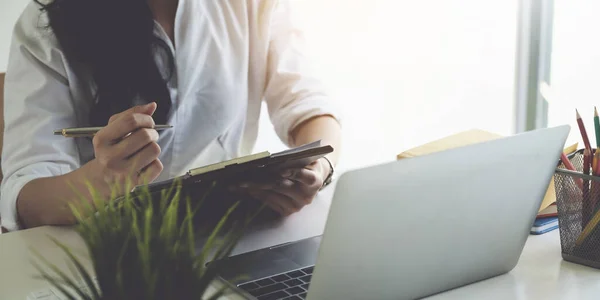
406,72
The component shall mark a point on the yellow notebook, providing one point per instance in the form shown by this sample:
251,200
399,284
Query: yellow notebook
470,137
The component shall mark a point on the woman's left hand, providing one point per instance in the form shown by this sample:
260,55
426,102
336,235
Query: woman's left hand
291,190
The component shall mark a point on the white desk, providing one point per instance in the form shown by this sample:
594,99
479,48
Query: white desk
540,274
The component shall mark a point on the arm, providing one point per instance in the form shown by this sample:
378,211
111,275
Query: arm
301,112
45,201
37,101
117,167
298,188
42,172
324,128
299,107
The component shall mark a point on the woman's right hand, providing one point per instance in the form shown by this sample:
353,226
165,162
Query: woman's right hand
126,150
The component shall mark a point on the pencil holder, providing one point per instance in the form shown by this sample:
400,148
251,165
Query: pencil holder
578,203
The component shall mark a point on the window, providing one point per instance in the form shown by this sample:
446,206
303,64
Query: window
575,68
406,72
10,10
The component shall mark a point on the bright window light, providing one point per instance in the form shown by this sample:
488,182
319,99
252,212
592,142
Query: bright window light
407,72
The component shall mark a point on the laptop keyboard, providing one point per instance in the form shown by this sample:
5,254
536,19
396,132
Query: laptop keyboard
292,285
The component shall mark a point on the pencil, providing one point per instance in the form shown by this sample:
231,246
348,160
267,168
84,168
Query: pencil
587,161
597,127
586,140
595,189
588,228
587,207
565,160
91,131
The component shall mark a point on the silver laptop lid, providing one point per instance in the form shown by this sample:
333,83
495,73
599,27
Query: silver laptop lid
419,226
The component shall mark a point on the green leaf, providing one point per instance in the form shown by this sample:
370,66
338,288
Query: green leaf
58,272
219,293
188,224
56,283
81,270
144,248
211,240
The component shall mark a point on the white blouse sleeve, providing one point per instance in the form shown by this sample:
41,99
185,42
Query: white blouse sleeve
293,95
37,101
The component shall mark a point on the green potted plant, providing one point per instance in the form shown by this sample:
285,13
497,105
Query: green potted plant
144,247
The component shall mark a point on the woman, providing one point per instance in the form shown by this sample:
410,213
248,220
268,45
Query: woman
202,66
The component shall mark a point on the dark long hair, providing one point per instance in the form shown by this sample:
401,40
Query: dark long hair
115,41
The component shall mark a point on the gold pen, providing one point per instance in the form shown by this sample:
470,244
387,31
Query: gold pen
91,131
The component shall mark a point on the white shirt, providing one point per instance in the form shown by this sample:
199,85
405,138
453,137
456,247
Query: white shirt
230,55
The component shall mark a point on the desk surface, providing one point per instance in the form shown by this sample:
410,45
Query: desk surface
540,274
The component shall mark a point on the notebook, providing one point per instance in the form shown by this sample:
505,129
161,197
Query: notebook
470,137
460,139
550,211
543,225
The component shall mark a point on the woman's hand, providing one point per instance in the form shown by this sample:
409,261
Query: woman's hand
126,150
291,190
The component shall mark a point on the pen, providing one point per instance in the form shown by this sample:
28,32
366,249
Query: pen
91,131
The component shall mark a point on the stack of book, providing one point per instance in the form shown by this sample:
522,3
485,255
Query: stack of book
546,220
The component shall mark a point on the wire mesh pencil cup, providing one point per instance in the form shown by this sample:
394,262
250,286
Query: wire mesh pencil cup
578,205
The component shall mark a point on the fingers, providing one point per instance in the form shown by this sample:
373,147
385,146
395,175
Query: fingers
147,109
121,127
290,196
136,141
145,157
126,150
307,177
287,193
299,185
282,204
124,123
283,186
150,172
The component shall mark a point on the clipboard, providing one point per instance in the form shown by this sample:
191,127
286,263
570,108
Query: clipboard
248,167
211,202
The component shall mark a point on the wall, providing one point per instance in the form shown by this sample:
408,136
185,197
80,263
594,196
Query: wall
10,10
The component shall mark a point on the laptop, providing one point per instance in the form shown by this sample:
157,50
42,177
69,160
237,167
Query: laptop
415,227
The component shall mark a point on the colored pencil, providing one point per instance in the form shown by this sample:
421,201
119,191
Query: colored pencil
590,213
587,161
587,207
586,140
588,228
595,189
565,160
597,127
